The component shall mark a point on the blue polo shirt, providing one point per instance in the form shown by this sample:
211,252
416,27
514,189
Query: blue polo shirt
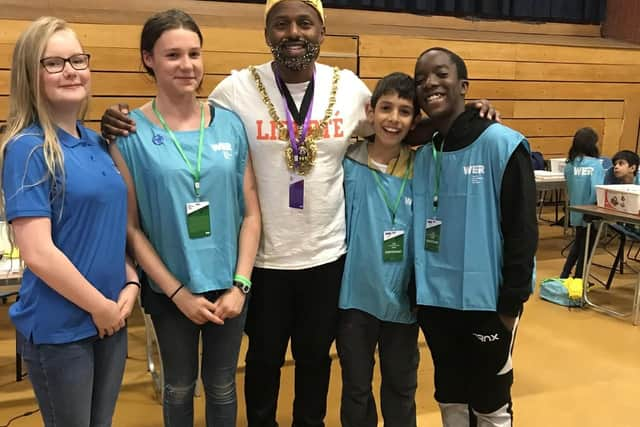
88,213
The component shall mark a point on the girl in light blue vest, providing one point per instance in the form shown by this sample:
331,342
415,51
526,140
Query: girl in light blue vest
583,172
194,222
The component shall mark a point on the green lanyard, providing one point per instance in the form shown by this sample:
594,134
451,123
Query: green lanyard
438,160
392,209
194,173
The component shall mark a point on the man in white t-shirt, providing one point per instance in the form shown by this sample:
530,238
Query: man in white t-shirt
299,265
300,260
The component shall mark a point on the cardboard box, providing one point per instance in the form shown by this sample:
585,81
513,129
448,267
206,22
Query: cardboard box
621,197
548,176
557,165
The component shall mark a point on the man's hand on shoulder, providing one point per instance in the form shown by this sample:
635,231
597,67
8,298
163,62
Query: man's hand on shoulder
486,110
116,122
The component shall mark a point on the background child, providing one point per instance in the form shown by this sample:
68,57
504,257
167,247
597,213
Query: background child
624,169
583,172
374,302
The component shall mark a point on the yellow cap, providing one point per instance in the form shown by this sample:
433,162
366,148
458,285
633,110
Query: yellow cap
316,4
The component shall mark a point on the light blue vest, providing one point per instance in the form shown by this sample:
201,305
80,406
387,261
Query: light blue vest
466,272
582,175
368,283
164,186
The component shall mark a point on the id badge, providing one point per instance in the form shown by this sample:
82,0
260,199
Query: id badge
198,220
432,235
296,191
393,246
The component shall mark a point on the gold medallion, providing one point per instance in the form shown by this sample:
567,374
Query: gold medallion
283,133
307,149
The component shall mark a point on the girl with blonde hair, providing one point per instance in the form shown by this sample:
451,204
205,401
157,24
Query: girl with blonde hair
67,206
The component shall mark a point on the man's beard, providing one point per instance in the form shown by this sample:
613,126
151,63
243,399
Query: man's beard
296,63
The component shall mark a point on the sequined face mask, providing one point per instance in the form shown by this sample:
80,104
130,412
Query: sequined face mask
295,62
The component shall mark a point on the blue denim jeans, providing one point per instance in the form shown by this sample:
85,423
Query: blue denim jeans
178,338
77,384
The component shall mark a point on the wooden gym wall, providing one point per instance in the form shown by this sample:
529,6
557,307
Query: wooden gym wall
546,79
544,91
117,75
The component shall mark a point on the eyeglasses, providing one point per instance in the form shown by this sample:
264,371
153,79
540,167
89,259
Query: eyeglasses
55,64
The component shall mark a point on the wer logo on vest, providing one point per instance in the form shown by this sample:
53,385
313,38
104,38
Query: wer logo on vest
476,172
225,147
583,171
157,139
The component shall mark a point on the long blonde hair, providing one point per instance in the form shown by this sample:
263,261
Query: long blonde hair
27,104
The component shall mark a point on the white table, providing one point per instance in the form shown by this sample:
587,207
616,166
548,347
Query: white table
554,181
606,216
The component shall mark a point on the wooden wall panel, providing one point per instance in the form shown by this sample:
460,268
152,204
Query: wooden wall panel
126,59
630,124
544,90
611,135
497,90
568,109
4,84
215,38
534,127
244,15
546,80
377,45
376,67
622,20
551,147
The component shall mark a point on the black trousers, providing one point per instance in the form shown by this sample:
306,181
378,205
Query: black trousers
576,254
471,352
301,305
358,335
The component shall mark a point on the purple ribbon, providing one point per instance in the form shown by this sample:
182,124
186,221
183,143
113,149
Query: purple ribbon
290,127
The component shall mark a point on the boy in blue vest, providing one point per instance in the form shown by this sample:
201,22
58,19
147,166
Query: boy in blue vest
475,240
374,300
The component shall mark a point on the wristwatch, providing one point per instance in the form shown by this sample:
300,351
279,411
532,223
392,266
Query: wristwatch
243,287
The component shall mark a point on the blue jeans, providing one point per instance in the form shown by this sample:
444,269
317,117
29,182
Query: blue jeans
178,338
77,384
